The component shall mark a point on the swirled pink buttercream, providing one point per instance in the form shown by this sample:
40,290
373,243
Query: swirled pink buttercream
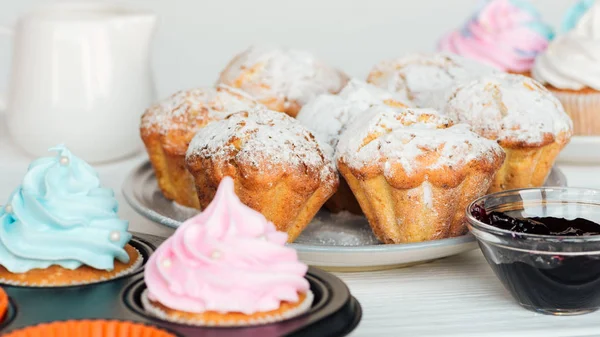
506,34
229,258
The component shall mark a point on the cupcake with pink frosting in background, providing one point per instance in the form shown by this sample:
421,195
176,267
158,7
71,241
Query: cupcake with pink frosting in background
505,34
227,266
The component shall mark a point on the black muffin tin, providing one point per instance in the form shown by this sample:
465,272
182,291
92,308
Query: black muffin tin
334,311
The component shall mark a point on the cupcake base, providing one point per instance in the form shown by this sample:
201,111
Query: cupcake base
583,107
526,167
422,213
181,181
172,176
290,203
57,276
287,310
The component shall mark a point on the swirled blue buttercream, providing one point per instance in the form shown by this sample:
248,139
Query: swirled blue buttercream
61,216
574,14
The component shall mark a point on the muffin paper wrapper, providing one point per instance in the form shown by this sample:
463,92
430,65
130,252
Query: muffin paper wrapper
157,312
90,328
138,263
584,110
3,303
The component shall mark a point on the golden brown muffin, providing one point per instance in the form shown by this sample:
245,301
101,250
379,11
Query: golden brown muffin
278,167
168,127
414,172
421,77
328,115
522,116
282,79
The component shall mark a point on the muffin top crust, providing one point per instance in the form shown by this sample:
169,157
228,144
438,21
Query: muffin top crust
514,110
289,76
421,77
177,118
409,146
263,144
328,115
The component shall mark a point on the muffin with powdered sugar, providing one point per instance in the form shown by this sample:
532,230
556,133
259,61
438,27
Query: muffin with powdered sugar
414,172
327,116
280,78
168,126
277,165
521,116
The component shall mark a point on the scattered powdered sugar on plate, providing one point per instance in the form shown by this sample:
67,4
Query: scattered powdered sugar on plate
268,72
387,136
421,77
508,107
264,140
328,115
188,108
341,229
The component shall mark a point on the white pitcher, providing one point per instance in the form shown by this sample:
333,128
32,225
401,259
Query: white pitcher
81,76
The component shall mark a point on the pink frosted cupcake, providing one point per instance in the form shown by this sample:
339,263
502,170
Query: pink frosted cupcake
228,266
506,34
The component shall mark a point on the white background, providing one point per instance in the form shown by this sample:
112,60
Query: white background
196,38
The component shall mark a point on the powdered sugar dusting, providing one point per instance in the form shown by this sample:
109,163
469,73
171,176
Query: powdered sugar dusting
428,194
188,108
294,75
388,136
264,140
508,107
328,115
421,77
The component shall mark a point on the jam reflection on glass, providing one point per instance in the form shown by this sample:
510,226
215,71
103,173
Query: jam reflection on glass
545,282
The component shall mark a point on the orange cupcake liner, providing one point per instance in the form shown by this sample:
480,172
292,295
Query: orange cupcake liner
90,328
3,303
57,276
286,311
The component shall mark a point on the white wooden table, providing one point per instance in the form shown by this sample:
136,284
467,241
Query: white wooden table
457,296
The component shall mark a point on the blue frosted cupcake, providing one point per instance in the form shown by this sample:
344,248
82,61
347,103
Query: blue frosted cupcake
61,228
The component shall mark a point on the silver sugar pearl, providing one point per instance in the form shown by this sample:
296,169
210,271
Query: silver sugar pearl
166,263
262,237
64,160
115,236
216,255
8,209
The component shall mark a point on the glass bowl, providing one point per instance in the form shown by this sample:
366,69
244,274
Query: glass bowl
558,275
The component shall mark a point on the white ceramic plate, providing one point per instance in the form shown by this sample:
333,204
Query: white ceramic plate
331,241
581,149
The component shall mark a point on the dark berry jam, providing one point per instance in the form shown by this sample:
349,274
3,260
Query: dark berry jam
546,282
540,226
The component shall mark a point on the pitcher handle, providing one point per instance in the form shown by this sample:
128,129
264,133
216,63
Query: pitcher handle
8,32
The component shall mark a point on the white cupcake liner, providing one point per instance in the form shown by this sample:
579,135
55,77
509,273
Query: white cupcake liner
584,110
159,313
138,262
